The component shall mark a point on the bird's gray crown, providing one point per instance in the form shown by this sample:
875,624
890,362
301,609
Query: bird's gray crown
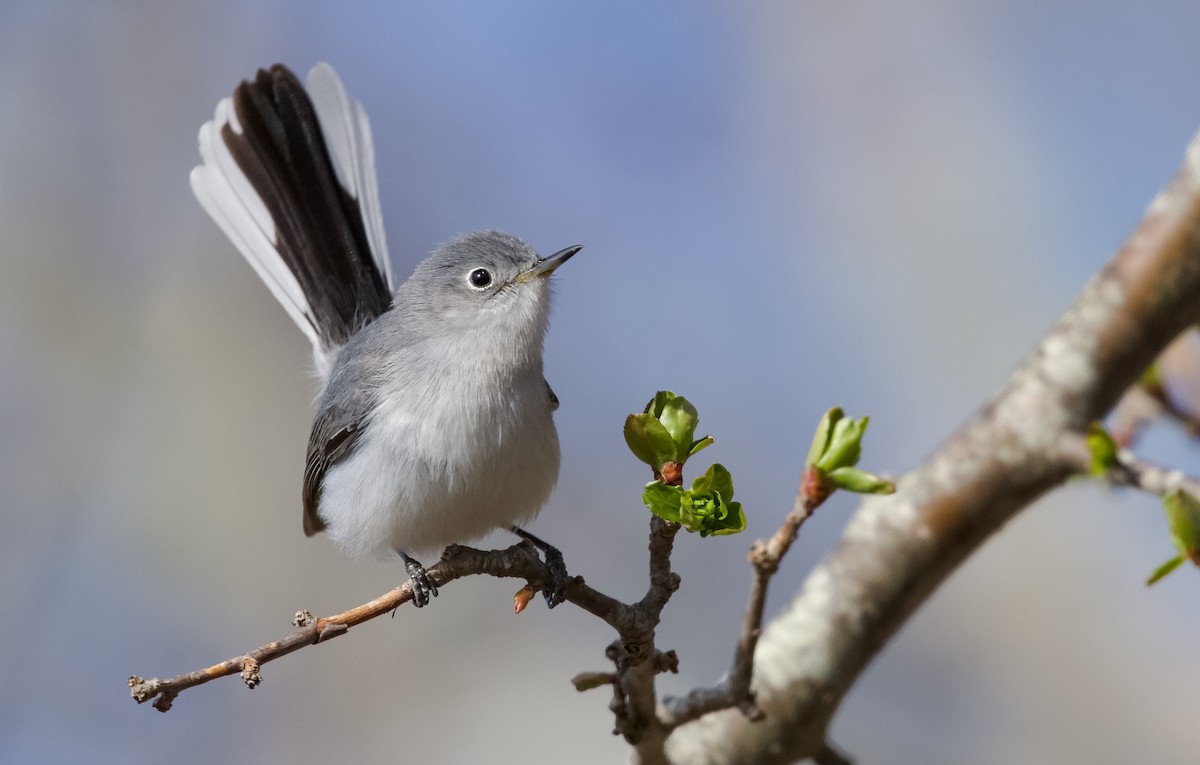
475,281
503,255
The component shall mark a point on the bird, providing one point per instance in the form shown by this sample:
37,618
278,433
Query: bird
434,422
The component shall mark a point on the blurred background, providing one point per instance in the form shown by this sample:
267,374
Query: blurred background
785,206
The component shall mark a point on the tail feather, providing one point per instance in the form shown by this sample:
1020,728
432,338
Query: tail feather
228,198
304,213
348,135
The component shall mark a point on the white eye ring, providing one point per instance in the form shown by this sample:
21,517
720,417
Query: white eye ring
479,279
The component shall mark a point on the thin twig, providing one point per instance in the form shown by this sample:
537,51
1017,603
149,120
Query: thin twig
1129,471
636,666
519,561
765,557
1143,404
635,654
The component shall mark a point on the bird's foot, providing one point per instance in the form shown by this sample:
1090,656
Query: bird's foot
422,585
559,578
555,590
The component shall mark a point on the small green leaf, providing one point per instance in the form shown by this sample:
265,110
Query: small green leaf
845,444
663,500
860,481
1165,569
649,440
1183,520
707,513
717,478
699,444
655,407
1103,449
820,440
707,508
733,522
696,509
679,417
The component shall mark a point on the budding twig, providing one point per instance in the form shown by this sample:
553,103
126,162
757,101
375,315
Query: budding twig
1129,470
765,557
519,561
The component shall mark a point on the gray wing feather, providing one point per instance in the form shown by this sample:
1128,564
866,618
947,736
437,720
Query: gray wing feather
334,434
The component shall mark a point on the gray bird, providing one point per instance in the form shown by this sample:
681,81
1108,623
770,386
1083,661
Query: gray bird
434,424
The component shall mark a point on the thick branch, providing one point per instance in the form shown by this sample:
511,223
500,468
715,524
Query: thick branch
898,549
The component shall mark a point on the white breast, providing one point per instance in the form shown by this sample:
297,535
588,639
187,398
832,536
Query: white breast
424,476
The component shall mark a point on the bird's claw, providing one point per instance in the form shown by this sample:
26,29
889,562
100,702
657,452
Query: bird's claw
555,591
422,585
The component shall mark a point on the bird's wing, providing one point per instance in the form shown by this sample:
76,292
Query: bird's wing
334,434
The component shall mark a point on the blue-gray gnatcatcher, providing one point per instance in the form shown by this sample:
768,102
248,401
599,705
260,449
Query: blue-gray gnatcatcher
434,424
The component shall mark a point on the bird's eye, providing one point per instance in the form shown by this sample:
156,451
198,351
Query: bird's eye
480,278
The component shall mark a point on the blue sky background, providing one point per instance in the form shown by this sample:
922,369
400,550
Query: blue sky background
785,206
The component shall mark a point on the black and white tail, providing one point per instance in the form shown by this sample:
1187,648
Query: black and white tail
288,174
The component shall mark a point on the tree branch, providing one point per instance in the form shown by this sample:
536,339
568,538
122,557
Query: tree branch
765,557
898,549
636,658
519,561
1144,403
1129,470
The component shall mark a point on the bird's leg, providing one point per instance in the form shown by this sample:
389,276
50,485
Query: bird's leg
556,589
422,586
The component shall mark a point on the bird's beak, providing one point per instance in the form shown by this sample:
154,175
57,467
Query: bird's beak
546,266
